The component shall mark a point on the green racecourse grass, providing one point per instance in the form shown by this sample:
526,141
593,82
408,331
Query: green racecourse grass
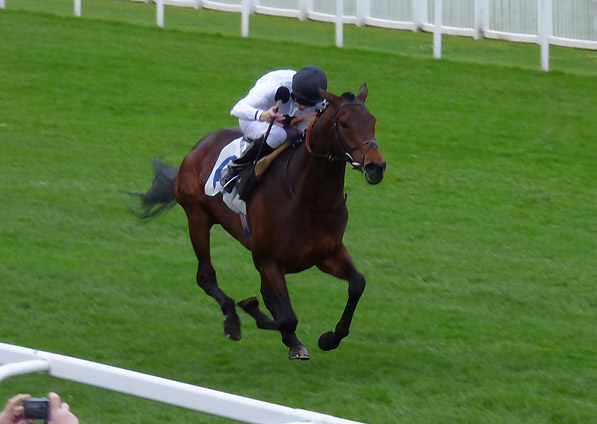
478,247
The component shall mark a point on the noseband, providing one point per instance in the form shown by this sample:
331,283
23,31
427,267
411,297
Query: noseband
371,144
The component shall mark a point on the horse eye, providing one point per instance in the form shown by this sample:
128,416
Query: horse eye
344,124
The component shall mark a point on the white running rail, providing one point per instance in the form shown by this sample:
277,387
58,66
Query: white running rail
17,360
544,22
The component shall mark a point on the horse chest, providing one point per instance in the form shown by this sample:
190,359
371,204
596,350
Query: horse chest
319,239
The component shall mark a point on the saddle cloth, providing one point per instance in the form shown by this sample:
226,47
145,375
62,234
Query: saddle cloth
230,152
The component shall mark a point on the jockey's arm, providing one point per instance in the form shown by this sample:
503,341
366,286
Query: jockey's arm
258,102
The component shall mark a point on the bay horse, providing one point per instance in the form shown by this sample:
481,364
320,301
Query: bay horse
296,215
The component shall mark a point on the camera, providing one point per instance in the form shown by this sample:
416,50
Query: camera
37,409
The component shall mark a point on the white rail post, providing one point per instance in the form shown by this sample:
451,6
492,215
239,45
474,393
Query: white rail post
420,14
77,8
545,28
363,11
244,18
302,8
595,19
481,18
437,30
339,23
305,9
159,13
2,4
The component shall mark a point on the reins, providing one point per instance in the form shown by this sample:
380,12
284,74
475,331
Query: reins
371,144
299,201
348,158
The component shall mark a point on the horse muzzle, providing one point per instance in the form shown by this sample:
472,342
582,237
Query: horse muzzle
374,172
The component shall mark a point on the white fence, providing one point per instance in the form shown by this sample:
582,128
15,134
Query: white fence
17,360
574,21
570,23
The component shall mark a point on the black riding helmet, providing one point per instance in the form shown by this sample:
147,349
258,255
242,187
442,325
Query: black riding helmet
306,84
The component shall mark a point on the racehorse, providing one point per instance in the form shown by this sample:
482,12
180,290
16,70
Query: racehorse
296,215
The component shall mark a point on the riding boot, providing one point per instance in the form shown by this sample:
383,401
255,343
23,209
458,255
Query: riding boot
262,152
257,150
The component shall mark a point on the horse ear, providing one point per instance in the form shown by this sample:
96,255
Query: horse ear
332,99
363,91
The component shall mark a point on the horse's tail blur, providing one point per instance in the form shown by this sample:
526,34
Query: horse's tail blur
160,196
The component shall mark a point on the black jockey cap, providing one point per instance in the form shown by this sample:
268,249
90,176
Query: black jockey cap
306,84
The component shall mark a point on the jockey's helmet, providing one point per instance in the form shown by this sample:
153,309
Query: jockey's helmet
306,84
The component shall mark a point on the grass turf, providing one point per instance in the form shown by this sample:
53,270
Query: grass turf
478,246
461,49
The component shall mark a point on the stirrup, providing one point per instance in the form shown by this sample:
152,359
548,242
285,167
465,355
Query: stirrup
229,185
228,175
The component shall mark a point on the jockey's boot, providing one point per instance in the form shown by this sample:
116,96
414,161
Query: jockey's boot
257,150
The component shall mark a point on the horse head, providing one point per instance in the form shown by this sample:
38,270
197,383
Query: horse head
354,130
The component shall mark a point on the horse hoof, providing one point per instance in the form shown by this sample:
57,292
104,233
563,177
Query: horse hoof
232,329
299,352
328,341
235,335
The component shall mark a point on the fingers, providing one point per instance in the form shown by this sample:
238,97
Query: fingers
54,400
270,114
60,411
56,403
15,400
273,113
13,411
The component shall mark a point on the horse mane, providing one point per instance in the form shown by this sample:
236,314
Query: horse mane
348,96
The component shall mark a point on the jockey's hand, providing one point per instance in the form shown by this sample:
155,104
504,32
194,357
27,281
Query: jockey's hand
271,113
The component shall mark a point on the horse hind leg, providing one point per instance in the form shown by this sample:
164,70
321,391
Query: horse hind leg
206,275
340,265
232,321
251,306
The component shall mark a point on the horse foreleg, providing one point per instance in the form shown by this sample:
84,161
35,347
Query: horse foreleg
206,275
340,265
276,298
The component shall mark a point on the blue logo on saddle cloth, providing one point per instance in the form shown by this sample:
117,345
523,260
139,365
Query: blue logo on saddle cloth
218,171
230,152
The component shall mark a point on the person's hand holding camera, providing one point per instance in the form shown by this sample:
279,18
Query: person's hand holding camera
13,411
53,408
60,411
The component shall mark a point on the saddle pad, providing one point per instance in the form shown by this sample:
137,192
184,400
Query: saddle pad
231,151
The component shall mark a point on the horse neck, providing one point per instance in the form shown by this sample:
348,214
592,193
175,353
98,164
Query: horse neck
319,181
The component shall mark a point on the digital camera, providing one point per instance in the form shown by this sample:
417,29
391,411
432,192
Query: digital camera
37,409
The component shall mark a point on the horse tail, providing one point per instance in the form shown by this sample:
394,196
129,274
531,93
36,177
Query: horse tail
160,196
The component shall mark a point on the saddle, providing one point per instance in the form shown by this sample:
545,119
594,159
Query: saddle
250,173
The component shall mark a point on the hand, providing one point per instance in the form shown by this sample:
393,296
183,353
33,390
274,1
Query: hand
271,113
60,411
13,411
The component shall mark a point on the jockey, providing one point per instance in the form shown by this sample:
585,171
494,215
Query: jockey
258,108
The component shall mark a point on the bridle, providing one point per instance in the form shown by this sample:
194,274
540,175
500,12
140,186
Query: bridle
371,144
348,154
